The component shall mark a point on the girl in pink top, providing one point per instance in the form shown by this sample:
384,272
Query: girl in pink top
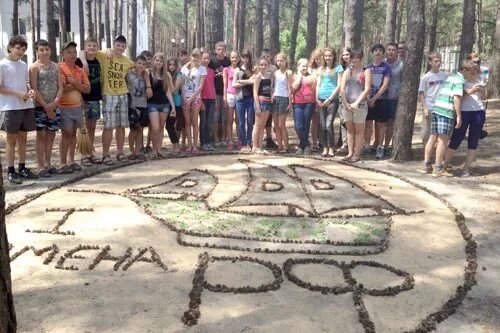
208,99
230,96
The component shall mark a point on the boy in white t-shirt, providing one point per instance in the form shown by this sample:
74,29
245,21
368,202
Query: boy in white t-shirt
17,114
428,90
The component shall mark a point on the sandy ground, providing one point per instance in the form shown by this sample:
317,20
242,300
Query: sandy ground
144,296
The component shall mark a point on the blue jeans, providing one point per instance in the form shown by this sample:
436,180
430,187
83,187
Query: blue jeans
246,117
302,114
206,119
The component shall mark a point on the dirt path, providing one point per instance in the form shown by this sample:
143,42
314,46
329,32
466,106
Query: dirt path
149,290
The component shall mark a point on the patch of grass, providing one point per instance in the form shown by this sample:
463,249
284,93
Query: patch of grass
292,234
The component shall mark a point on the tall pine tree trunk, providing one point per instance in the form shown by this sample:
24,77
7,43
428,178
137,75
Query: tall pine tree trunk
62,22
120,18
90,25
115,18
242,25
8,322
236,17
353,23
390,21
312,26
400,19
259,27
185,22
274,26
405,116
468,22
81,22
107,24
15,17
152,27
33,19
214,29
433,27
327,21
479,20
99,31
38,21
295,31
494,79
51,28
132,28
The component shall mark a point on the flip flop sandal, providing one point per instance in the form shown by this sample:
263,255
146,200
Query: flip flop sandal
132,157
106,160
65,169
86,161
354,160
140,157
346,159
121,158
94,160
52,171
75,167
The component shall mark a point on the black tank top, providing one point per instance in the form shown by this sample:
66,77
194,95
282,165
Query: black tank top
246,90
265,88
159,96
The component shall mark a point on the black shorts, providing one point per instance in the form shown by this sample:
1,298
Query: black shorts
13,121
138,118
379,112
179,119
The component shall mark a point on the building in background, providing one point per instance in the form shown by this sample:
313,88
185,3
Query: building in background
72,11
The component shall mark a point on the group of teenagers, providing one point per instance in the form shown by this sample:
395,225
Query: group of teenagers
198,99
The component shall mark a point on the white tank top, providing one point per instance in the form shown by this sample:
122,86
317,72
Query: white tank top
280,84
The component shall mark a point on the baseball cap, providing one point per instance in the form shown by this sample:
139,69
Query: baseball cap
68,44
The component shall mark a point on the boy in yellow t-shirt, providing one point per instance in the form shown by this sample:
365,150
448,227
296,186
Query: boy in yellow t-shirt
115,103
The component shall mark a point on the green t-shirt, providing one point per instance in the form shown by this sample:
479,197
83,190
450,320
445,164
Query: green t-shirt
453,86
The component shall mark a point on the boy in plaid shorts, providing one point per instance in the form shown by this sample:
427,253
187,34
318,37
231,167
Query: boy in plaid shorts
443,117
115,101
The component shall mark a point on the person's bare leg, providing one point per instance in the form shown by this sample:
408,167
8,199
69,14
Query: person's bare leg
379,133
429,147
64,145
442,142
72,146
41,144
359,139
350,139
471,155
107,137
22,138
368,132
153,130
195,116
120,139
277,130
187,122
284,131
161,133
450,153
49,144
10,148
90,125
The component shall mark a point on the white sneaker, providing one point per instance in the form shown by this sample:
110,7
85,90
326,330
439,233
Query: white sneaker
465,174
299,151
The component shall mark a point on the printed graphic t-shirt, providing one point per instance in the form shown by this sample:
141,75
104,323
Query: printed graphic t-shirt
379,72
114,74
94,79
192,79
430,85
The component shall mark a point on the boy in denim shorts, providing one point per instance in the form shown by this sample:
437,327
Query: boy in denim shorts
443,117
93,99
17,116
46,82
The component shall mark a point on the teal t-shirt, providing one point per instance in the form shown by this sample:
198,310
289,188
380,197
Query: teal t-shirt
329,82
453,86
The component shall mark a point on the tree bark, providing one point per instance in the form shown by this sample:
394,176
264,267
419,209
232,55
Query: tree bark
152,26
390,21
259,27
99,30
81,23
15,17
96,28
242,25
494,79
90,25
186,13
312,26
214,29
33,19
479,20
62,22
107,24
353,23
400,18
433,27
327,21
38,21
120,18
132,33
8,321
295,31
468,22
51,28
274,27
236,10
405,116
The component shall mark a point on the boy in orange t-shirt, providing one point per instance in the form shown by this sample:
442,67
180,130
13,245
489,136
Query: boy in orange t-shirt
75,82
